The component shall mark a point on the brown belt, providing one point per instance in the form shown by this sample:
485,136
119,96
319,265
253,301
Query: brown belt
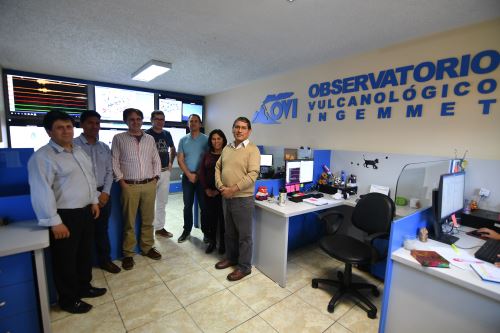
136,182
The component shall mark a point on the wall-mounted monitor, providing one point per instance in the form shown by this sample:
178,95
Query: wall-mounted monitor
30,98
31,136
172,109
189,109
110,102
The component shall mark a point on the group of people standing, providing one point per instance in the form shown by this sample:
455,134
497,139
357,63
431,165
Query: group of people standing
70,181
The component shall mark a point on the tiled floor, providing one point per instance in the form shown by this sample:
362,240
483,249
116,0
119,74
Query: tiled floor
185,293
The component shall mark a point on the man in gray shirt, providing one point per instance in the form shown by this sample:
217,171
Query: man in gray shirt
100,155
64,198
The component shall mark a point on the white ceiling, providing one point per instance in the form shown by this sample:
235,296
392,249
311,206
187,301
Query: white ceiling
214,45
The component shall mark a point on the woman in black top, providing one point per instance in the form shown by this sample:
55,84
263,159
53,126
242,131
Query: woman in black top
214,216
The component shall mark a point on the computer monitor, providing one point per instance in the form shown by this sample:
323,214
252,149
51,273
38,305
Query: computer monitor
298,172
447,200
266,160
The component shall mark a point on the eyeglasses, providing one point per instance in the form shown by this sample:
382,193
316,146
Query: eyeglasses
158,119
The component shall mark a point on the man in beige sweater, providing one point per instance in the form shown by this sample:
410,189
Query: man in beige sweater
235,174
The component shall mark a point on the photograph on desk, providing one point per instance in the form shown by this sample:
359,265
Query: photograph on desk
430,259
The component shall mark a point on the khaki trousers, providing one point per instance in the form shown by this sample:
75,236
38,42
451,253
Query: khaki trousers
142,197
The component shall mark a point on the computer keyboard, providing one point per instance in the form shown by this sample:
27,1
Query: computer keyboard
489,251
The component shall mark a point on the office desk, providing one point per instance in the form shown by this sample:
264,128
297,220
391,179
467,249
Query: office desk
271,233
15,239
425,299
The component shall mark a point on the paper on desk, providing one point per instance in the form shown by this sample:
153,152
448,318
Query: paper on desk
487,272
316,201
462,259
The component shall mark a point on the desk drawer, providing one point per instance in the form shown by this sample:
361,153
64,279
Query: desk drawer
16,268
17,298
26,322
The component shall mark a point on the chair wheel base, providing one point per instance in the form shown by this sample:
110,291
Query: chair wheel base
375,292
314,284
330,308
372,314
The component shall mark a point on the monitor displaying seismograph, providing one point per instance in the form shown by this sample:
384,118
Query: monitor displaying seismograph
30,98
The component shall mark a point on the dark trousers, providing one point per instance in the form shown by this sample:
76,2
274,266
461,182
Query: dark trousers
101,235
188,192
71,257
214,219
238,215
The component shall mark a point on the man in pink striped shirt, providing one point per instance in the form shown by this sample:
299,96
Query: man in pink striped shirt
137,167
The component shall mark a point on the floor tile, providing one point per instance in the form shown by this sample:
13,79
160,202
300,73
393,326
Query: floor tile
297,277
129,282
220,312
176,322
337,328
294,315
147,305
259,292
103,318
175,267
317,263
194,286
357,321
256,324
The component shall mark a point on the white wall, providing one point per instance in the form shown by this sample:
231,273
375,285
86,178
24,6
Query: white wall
403,139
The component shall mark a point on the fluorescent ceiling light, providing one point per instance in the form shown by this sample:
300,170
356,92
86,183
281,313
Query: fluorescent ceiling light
150,70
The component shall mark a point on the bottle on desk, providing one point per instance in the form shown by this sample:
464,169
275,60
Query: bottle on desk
282,197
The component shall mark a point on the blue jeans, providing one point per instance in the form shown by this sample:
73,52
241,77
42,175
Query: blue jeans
188,191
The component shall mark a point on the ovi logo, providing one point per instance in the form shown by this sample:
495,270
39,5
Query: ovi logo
279,106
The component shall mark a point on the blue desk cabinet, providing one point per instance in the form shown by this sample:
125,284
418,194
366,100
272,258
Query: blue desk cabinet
18,300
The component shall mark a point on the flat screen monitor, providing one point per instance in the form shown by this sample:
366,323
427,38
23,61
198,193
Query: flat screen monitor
451,194
172,109
31,136
110,102
447,200
189,109
266,160
30,98
299,172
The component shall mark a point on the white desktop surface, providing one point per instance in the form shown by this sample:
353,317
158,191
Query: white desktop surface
298,208
464,278
428,299
21,237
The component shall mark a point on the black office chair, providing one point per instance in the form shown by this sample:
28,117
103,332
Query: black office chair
373,214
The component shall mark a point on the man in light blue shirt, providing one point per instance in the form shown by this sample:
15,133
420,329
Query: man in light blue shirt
100,155
64,198
192,147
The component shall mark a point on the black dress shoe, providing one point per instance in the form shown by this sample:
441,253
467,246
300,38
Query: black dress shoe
210,248
76,307
109,266
128,263
183,238
92,292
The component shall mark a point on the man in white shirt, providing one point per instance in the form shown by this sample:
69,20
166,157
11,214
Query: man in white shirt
64,198
137,168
